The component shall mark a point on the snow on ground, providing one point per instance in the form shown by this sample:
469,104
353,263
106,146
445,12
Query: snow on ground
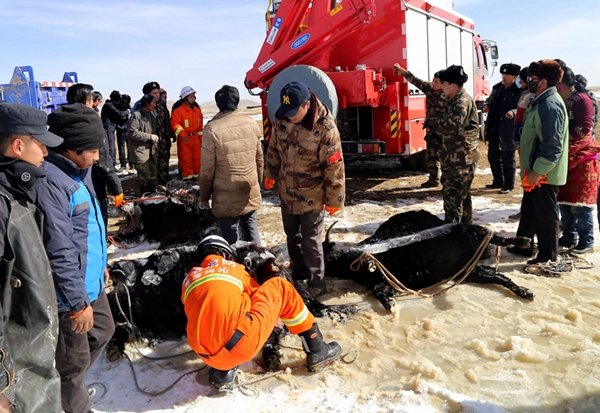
475,349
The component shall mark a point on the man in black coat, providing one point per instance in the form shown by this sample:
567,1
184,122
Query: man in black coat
501,109
29,321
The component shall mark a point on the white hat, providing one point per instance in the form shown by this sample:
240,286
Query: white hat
186,91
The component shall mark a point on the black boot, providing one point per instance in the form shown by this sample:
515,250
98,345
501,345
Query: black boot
221,378
318,353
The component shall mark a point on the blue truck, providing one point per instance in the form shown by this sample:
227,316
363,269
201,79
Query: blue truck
24,89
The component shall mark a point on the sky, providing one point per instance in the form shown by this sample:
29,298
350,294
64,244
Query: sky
115,44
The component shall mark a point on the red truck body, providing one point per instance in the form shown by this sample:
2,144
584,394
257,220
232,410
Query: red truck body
355,44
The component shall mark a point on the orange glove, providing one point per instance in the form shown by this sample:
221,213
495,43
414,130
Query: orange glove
269,183
331,210
119,200
528,187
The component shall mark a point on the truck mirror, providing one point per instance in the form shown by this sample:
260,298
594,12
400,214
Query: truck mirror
494,52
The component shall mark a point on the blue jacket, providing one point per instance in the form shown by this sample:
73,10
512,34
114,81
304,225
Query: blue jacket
74,232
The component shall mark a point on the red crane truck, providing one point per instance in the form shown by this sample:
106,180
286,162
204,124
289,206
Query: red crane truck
344,51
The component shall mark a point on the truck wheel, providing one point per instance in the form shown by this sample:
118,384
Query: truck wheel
316,80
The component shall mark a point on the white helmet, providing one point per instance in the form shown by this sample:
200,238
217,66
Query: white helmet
218,243
186,91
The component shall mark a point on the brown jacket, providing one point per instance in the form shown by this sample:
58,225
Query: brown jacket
231,167
307,164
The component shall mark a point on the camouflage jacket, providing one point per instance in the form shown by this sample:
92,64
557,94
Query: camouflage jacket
436,102
307,164
459,129
163,125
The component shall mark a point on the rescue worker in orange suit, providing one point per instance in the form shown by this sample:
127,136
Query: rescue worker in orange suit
186,122
230,316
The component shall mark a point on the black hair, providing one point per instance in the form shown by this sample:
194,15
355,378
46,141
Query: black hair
5,141
227,98
115,95
581,87
79,93
146,99
568,77
96,95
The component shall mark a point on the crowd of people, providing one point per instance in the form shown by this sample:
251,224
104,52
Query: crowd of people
546,113
57,170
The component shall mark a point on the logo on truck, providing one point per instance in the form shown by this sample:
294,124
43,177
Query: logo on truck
301,41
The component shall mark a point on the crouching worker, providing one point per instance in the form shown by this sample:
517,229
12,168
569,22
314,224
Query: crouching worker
230,316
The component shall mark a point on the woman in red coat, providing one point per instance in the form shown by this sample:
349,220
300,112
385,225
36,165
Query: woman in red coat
578,196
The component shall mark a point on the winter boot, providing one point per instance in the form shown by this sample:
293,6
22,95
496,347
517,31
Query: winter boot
221,378
318,353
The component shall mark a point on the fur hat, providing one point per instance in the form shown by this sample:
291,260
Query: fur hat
149,87
510,69
546,69
79,126
454,74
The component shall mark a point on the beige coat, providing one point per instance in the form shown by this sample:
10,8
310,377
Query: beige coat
231,165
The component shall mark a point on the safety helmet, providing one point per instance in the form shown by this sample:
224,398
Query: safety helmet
218,243
186,91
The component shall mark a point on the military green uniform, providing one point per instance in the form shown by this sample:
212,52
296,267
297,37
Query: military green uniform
459,129
435,104
166,135
309,169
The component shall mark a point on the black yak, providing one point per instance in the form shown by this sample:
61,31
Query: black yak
420,251
146,296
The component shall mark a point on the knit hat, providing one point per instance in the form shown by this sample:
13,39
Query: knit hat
292,96
227,98
79,126
149,87
510,69
454,74
24,120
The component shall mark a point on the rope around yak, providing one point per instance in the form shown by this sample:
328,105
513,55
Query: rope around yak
395,283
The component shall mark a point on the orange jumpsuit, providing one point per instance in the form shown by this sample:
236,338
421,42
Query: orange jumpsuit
186,122
220,299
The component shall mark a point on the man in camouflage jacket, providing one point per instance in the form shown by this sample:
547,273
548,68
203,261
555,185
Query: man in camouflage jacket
435,105
305,157
459,129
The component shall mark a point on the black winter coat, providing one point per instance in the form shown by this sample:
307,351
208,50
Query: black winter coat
29,325
498,128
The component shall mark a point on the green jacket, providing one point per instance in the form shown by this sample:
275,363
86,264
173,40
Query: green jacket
545,138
